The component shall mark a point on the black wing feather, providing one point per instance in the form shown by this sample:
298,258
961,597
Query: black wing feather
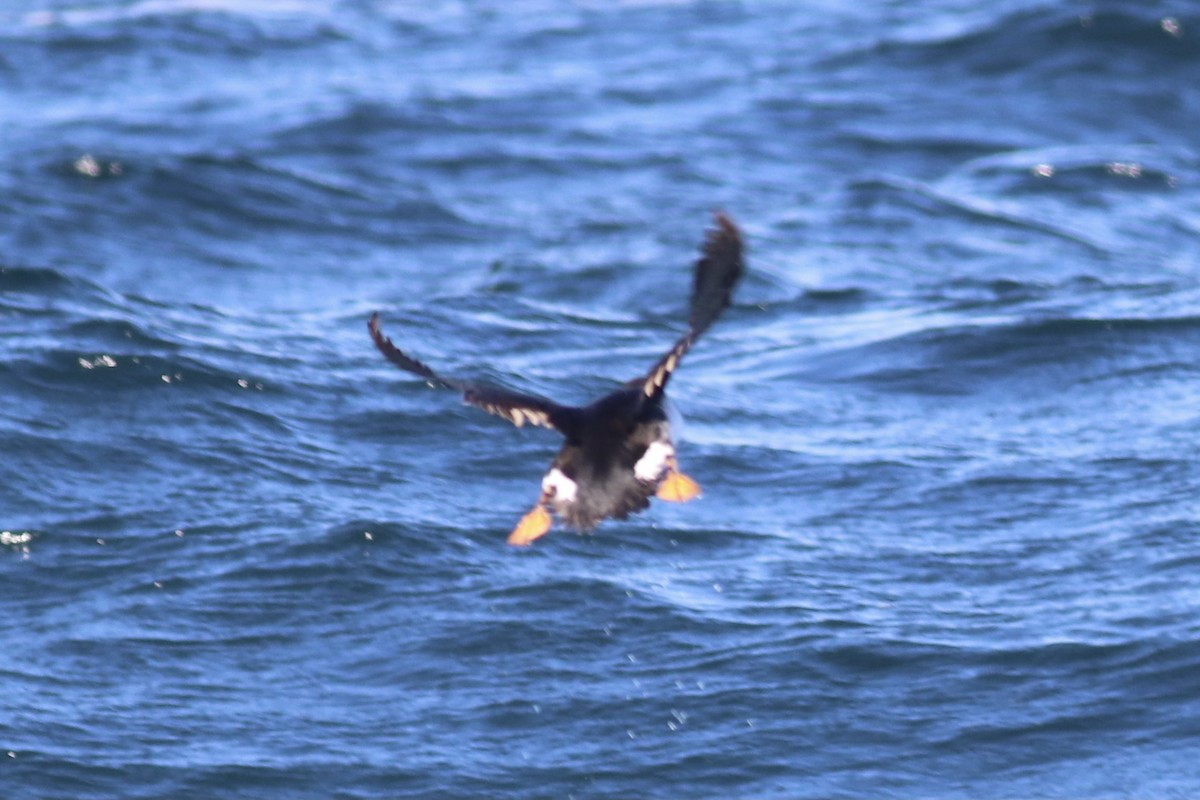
515,407
717,272
403,360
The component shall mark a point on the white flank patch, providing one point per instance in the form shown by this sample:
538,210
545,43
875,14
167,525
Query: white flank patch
652,463
559,485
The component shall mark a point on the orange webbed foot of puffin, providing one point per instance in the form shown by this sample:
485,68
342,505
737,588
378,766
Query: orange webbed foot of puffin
532,526
677,488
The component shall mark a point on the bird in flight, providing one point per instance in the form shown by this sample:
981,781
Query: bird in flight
618,451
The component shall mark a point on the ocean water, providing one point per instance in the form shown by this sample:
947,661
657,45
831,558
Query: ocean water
949,544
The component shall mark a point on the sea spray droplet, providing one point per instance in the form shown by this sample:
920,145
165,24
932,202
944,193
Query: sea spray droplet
87,165
103,360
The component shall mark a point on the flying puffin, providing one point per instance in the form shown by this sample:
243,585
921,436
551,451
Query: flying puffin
618,451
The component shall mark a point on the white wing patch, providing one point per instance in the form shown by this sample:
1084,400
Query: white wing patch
654,461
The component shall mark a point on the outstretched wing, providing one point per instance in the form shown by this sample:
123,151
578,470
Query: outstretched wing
717,272
515,407
656,379
403,360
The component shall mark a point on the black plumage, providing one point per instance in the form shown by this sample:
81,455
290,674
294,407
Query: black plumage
618,451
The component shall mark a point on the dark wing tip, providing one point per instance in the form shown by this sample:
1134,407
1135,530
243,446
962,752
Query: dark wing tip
401,359
724,234
717,272
381,341
518,409
725,223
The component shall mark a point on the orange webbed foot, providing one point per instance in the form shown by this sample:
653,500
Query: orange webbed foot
532,526
677,488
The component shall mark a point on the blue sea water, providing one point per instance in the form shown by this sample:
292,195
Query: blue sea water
950,539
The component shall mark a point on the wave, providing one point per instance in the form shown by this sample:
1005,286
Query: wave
34,280
1053,351
200,25
237,196
943,201
113,371
1128,681
1146,36
1076,171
